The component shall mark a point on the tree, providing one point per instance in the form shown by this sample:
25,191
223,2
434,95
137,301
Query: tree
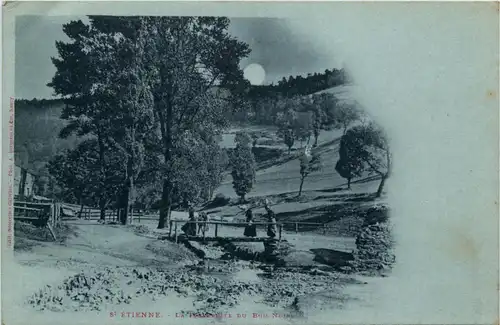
345,115
216,165
368,145
303,126
243,166
194,57
200,163
287,123
125,75
307,166
78,80
75,172
323,108
119,72
349,164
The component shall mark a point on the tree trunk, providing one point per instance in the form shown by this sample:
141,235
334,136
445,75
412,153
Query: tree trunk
315,140
301,184
22,183
102,208
381,186
127,186
349,183
81,209
102,174
165,206
210,193
122,206
289,149
166,132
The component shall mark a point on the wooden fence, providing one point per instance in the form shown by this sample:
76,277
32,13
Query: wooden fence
38,212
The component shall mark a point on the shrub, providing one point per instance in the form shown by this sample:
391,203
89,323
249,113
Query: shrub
375,249
218,201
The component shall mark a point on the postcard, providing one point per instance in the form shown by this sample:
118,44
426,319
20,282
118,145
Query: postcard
250,163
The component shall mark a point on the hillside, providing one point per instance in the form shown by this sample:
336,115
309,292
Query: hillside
38,123
37,126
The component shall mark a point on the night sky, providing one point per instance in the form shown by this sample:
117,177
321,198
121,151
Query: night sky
273,45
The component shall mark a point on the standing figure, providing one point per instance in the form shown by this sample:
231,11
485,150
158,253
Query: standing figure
250,229
189,227
272,229
203,226
191,212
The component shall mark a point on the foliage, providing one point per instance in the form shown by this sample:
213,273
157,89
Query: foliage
295,121
308,165
323,113
243,166
366,148
300,85
345,115
242,139
156,90
350,164
75,172
219,201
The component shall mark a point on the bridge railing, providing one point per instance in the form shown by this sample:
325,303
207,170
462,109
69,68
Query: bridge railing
174,229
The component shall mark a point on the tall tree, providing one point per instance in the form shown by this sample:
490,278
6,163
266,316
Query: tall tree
194,58
324,108
125,76
243,166
369,145
308,164
349,164
76,80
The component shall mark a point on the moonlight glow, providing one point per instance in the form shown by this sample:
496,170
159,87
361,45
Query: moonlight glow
254,73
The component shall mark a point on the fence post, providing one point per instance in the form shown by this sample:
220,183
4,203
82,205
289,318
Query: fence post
57,214
216,229
175,231
51,217
170,229
296,227
204,228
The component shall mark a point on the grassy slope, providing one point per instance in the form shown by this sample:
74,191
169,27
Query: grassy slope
324,198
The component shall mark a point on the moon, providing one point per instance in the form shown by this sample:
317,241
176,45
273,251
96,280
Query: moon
254,73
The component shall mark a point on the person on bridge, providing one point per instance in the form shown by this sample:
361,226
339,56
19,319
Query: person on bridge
189,227
191,212
250,229
272,229
203,227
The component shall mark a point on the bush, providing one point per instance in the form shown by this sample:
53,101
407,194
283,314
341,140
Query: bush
218,201
262,154
31,232
375,246
376,214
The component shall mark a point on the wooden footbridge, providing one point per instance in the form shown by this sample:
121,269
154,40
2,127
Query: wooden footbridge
175,232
